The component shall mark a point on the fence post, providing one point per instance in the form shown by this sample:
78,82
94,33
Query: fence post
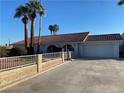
39,62
63,56
70,57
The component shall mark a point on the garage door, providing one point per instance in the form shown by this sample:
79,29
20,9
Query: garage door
98,51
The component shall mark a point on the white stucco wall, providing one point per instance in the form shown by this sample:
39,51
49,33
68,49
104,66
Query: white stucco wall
103,49
116,51
79,48
44,47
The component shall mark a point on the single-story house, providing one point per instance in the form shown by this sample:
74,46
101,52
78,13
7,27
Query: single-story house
82,44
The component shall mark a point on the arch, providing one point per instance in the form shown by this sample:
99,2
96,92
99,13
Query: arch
53,48
68,47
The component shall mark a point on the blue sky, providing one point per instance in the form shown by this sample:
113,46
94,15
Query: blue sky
72,16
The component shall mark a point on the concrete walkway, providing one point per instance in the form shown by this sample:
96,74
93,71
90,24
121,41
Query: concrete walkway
79,76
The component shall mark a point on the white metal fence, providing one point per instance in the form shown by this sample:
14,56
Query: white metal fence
18,61
68,55
51,56
8,63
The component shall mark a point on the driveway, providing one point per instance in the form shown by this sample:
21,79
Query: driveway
79,76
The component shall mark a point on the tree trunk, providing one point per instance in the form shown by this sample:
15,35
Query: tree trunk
51,33
32,35
26,36
32,32
54,33
39,39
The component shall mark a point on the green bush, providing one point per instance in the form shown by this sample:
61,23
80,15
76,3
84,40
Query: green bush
4,52
18,51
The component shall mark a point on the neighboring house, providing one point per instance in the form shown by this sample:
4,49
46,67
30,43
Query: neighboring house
82,44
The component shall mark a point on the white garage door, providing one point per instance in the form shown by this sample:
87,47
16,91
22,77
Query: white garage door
98,51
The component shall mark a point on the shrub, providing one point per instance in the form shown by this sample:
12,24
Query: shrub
4,52
18,51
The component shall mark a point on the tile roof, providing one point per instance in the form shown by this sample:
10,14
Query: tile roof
105,37
74,37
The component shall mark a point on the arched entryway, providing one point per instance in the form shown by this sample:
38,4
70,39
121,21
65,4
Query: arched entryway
68,47
53,48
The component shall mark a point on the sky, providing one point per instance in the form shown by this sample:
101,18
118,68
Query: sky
72,16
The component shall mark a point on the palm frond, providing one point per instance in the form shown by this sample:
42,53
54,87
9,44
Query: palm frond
121,2
36,6
55,27
21,11
51,27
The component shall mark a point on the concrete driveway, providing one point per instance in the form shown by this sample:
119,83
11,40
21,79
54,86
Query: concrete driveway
79,76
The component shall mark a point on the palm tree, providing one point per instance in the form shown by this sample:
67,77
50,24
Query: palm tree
51,29
22,11
55,28
34,7
32,16
41,12
121,2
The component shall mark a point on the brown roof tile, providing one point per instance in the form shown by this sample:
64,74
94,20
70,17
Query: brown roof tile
105,37
74,37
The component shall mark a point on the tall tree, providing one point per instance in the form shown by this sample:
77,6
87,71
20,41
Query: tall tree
32,15
41,12
34,7
55,28
51,29
22,11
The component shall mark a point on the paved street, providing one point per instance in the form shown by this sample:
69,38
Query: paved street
79,76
